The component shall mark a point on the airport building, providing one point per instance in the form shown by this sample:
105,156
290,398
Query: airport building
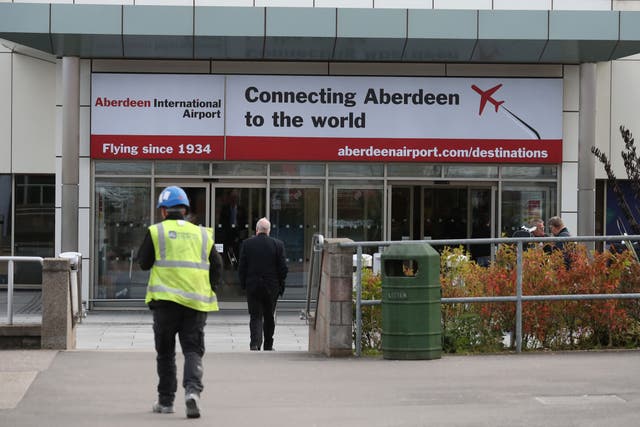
369,120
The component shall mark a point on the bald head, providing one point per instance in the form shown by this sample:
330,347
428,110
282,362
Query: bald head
263,226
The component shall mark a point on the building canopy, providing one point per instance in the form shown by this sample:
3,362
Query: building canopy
320,34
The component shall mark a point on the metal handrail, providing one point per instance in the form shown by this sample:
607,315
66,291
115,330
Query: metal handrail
518,298
11,260
315,269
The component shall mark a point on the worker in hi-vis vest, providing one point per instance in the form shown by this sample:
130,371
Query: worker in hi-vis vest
185,269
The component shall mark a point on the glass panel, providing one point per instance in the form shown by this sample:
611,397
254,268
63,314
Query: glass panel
295,217
468,171
529,172
34,224
236,212
445,213
523,203
356,169
401,213
5,224
357,213
123,168
122,217
182,168
480,223
297,169
239,169
417,170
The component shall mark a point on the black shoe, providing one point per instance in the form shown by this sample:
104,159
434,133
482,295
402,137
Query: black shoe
254,348
269,349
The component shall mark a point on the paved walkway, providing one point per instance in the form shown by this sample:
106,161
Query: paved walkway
225,331
110,381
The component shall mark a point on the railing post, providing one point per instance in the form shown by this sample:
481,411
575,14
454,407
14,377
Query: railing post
359,301
519,297
10,292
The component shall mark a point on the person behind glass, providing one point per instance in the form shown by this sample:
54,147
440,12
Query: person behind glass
558,229
185,268
233,220
263,270
537,230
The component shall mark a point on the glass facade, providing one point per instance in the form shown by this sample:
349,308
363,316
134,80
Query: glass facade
123,213
27,223
359,201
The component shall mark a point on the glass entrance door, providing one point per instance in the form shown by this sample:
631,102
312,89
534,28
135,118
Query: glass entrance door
459,213
236,211
447,212
295,218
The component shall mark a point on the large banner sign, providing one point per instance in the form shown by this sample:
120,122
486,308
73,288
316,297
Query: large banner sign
384,119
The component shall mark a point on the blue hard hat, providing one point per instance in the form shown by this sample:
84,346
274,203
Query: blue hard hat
172,196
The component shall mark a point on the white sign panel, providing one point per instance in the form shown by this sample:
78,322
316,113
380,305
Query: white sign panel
382,107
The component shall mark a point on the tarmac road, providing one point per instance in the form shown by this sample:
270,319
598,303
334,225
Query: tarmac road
110,380
243,388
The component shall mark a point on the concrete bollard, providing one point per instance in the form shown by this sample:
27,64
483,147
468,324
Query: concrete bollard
58,328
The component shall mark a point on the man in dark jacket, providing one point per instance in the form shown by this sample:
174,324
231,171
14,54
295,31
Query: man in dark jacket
262,269
558,229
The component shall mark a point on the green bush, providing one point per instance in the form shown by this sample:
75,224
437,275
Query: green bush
371,315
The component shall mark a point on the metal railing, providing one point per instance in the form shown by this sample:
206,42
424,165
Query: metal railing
313,284
11,260
518,298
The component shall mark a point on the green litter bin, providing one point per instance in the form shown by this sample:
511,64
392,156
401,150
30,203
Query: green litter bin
411,294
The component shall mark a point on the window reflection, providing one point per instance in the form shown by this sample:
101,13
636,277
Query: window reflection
5,223
357,212
523,203
122,218
34,224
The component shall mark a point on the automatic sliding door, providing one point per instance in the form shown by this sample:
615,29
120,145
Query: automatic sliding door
236,212
295,218
357,213
459,213
445,213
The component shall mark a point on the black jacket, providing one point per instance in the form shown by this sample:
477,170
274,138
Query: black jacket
147,256
262,263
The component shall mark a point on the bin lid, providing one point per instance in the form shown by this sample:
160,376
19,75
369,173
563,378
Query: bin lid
409,251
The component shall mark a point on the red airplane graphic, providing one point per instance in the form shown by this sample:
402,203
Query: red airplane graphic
485,95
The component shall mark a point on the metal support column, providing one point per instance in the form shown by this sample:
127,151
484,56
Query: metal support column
586,160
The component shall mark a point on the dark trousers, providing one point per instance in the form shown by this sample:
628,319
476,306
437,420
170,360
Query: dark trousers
170,319
261,302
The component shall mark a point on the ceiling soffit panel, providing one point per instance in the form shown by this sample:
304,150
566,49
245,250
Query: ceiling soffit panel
511,36
441,35
229,32
320,34
157,32
86,31
584,36
629,42
370,34
26,24
300,33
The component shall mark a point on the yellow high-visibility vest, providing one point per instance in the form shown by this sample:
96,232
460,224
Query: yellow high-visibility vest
180,272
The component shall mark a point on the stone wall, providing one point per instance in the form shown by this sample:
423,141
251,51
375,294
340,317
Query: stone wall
332,333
